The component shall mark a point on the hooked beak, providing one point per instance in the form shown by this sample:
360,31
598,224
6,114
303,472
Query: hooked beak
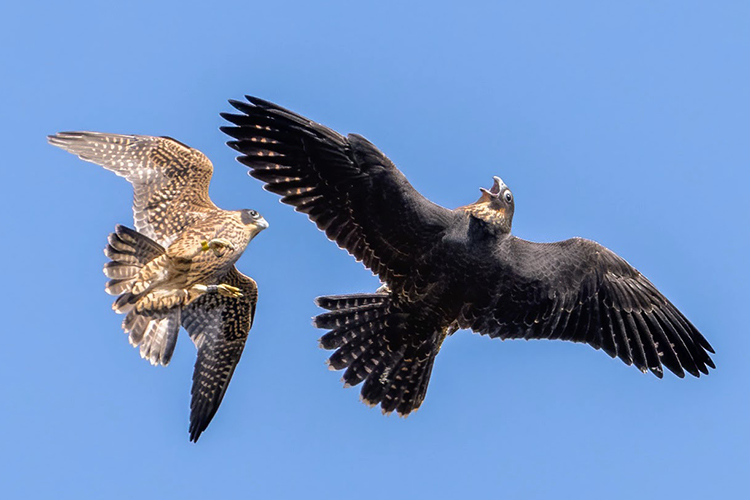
496,188
261,224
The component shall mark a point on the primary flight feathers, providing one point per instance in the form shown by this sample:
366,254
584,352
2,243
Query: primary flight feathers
448,269
177,267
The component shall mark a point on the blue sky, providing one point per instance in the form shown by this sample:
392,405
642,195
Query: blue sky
623,122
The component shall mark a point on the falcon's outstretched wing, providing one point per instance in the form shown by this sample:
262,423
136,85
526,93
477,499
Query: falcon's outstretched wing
170,180
219,327
344,184
580,291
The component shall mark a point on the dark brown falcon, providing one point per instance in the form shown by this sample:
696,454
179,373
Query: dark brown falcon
444,270
177,267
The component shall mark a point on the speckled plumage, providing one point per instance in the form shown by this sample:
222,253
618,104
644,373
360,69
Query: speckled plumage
448,269
177,267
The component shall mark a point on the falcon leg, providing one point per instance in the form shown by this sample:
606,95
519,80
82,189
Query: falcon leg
201,289
223,289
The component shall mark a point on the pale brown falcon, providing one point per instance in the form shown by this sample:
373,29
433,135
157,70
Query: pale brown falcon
448,269
177,267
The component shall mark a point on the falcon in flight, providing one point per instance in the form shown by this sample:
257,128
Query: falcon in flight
177,266
443,270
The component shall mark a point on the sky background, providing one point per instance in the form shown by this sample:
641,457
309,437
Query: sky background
623,122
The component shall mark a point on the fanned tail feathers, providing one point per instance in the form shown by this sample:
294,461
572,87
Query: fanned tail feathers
156,334
129,251
376,345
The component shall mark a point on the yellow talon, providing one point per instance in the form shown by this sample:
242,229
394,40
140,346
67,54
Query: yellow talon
230,291
205,247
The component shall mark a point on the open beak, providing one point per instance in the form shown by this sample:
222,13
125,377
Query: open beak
496,188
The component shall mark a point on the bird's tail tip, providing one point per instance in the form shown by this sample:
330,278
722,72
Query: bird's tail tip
375,345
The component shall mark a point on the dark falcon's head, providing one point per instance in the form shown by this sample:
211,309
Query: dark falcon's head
495,206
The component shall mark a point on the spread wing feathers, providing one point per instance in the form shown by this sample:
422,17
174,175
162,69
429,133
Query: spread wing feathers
218,326
345,185
580,291
170,180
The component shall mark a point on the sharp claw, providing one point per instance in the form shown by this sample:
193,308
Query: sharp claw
230,291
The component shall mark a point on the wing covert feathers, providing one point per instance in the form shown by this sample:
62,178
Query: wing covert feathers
170,180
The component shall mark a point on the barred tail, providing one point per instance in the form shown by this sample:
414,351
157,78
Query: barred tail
376,344
129,251
156,334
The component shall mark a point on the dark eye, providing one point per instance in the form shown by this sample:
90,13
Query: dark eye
508,196
254,214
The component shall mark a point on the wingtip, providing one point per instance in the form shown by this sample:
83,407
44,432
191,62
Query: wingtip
257,101
657,371
235,145
67,134
235,103
56,139
707,347
194,435
197,426
241,106
325,302
695,371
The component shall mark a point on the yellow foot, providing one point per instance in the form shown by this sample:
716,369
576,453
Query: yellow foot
229,291
218,245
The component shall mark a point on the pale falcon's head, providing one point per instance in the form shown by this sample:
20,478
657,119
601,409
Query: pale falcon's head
253,221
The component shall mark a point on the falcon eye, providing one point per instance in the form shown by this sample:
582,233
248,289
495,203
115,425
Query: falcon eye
254,214
508,196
